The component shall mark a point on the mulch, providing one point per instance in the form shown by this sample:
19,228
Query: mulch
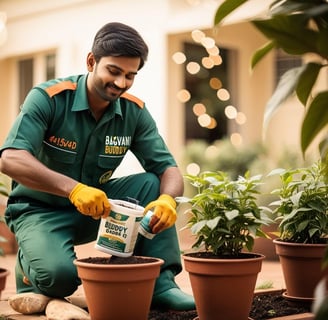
265,306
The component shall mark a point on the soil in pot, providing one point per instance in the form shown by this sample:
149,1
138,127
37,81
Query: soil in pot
265,306
117,260
118,287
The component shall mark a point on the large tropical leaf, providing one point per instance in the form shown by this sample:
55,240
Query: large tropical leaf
226,8
290,33
285,89
323,43
307,80
293,6
315,119
261,53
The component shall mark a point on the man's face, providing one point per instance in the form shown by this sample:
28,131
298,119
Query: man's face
111,76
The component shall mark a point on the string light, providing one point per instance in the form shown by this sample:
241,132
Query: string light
213,59
236,139
197,35
193,169
193,67
223,94
199,109
230,112
183,95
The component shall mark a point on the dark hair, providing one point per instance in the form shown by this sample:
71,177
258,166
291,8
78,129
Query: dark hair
117,39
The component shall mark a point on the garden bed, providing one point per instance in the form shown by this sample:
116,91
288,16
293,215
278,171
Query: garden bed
266,305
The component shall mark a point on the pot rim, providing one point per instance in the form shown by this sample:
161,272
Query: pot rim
254,255
4,271
298,244
78,262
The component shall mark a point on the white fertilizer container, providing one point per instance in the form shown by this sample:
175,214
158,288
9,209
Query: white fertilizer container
118,233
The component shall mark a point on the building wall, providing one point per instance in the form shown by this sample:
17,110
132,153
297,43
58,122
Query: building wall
68,26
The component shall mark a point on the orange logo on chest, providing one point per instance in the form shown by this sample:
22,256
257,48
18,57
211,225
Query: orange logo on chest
62,142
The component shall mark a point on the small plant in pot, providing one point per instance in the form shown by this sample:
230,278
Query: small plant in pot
225,219
119,286
301,212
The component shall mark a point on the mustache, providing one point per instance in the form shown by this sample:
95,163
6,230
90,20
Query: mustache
113,86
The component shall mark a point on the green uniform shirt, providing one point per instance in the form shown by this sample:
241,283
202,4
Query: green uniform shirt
56,126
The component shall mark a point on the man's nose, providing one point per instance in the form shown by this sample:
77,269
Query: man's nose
120,82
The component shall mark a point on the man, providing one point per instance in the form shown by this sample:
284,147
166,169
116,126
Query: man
61,152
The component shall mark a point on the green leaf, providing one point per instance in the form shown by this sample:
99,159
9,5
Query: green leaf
226,8
302,225
293,6
322,308
307,80
285,88
323,147
261,53
323,43
213,222
198,226
231,214
289,33
295,199
315,119
277,171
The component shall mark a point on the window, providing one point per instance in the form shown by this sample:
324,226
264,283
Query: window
205,110
285,62
40,66
50,66
25,79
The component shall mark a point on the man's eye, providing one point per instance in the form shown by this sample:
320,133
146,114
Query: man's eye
130,76
114,72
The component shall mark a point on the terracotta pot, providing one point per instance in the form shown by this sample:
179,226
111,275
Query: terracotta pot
223,288
3,278
119,291
302,267
266,246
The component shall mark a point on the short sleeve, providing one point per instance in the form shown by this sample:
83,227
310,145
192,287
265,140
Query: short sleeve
29,128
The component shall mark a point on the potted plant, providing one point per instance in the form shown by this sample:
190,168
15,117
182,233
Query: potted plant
119,286
301,212
297,27
225,219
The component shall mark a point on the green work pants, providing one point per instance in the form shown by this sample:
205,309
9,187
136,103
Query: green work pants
47,235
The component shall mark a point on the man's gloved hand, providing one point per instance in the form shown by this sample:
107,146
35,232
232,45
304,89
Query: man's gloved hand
164,213
90,201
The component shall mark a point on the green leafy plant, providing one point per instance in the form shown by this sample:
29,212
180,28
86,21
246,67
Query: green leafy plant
225,217
302,208
265,285
297,27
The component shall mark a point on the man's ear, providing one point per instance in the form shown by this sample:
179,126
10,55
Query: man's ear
90,61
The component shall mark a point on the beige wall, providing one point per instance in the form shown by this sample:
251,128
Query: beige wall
68,27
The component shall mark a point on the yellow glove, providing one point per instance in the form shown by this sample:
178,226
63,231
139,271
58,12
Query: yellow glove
90,201
164,214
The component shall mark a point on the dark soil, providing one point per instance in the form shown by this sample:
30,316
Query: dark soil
265,306
117,260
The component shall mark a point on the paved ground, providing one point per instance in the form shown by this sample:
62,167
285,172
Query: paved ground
271,273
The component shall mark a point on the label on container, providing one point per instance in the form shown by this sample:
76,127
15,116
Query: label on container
118,232
144,228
